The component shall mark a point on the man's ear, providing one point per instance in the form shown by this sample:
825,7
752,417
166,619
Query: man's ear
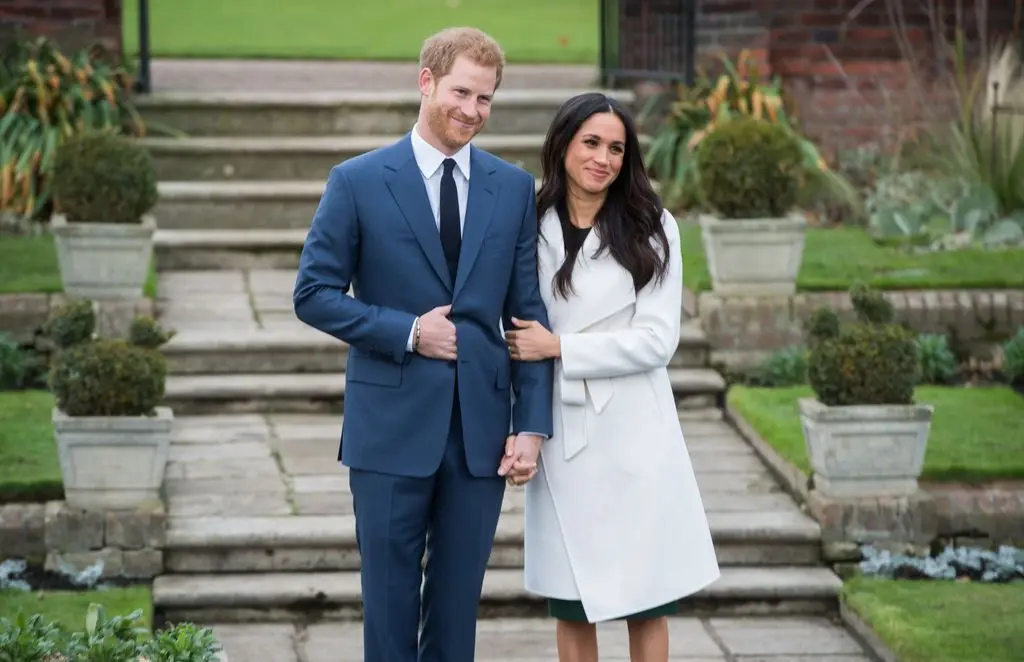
427,82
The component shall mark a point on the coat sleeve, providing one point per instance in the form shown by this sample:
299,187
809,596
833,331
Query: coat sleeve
652,337
328,261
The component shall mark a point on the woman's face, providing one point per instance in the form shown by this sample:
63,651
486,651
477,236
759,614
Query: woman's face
595,153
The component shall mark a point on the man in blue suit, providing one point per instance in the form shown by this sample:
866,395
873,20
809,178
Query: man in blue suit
438,242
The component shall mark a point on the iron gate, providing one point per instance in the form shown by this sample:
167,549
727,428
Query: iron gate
647,40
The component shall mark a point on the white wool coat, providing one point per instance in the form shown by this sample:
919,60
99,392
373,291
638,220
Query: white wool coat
614,517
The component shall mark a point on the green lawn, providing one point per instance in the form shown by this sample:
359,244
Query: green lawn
69,607
28,264
562,31
836,258
939,621
975,433
29,468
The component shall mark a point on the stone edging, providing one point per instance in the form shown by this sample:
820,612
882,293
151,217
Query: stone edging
792,479
957,514
742,330
129,542
865,634
22,315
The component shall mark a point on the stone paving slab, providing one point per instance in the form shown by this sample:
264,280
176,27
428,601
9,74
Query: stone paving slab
275,464
795,639
221,75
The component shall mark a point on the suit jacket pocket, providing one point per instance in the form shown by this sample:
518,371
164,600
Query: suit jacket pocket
365,370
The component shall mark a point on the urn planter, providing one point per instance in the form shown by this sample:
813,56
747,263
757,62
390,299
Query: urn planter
113,462
754,257
103,261
865,450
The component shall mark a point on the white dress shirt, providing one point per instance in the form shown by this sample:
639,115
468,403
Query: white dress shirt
429,160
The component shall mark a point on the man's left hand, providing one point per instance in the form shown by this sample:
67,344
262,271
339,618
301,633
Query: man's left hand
519,463
530,341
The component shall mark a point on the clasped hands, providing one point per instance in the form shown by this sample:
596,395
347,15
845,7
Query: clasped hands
529,341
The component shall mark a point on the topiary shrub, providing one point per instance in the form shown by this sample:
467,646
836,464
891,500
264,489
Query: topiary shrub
108,377
750,169
112,377
822,325
71,324
146,333
872,361
1013,359
103,177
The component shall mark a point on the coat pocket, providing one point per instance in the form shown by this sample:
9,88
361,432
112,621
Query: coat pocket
364,370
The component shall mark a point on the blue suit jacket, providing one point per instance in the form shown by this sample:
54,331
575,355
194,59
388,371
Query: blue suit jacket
374,230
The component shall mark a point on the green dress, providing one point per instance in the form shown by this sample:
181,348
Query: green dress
572,610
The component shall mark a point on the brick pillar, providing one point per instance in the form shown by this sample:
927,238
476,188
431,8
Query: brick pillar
73,24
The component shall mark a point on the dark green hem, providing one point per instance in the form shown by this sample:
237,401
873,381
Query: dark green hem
572,610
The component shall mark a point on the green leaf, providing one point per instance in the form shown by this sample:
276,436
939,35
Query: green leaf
1005,231
975,210
93,618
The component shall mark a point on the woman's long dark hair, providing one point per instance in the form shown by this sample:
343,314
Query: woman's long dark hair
631,213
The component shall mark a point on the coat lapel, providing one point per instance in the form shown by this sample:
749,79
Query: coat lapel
601,286
405,182
483,191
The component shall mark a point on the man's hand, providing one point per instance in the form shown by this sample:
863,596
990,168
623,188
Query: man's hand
530,341
519,464
437,335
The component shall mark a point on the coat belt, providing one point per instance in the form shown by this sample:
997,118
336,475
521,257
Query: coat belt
574,394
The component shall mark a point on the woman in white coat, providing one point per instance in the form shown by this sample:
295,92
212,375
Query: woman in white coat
615,526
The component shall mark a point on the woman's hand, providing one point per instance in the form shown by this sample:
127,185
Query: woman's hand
530,341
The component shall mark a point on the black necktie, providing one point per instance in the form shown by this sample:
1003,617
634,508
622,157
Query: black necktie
451,233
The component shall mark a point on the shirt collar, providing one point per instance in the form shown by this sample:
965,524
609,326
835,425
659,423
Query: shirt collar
429,158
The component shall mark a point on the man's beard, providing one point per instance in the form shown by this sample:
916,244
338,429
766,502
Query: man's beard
438,119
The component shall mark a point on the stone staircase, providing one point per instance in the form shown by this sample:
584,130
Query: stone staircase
260,514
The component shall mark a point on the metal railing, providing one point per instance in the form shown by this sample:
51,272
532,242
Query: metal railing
143,82
647,40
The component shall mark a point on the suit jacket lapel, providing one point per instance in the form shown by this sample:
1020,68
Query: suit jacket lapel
405,182
483,192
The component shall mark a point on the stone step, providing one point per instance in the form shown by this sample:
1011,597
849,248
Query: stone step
204,250
241,220
263,113
304,543
305,350
298,157
239,206
337,595
190,394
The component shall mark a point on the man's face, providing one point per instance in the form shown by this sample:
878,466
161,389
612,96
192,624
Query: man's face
459,103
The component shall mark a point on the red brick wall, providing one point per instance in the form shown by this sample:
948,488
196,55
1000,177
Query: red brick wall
73,24
846,75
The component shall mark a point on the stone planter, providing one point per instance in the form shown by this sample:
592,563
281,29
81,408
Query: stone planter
103,260
865,450
114,462
754,257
